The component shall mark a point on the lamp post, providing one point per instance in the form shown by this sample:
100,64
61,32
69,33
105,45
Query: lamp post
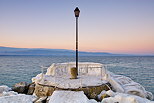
77,12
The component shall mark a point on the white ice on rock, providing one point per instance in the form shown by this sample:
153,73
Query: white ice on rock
20,98
70,97
80,97
124,98
8,96
65,82
90,74
6,91
123,84
4,88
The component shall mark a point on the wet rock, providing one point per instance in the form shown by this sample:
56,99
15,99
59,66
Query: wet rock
47,100
21,87
41,100
42,91
31,89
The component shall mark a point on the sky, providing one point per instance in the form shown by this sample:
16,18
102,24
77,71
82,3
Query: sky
115,26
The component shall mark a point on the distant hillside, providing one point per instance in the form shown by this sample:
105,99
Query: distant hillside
53,52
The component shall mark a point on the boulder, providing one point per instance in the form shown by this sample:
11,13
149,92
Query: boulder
21,87
42,91
31,89
41,100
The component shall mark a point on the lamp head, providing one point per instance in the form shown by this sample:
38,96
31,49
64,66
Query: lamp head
76,12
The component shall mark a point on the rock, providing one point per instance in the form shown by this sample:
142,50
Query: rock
42,91
31,89
47,100
21,87
90,92
41,100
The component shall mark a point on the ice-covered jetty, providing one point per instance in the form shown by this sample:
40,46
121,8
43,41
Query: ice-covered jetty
58,75
90,74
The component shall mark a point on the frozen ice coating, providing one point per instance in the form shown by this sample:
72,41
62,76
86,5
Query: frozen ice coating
4,88
124,98
70,97
20,98
83,81
84,68
9,93
124,84
90,74
8,96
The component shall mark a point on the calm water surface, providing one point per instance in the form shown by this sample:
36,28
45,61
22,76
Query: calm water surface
14,69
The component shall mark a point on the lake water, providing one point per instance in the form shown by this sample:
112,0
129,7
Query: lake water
14,69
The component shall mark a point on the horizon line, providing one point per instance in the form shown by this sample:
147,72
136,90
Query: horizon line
132,54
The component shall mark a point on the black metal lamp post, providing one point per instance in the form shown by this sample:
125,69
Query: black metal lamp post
77,12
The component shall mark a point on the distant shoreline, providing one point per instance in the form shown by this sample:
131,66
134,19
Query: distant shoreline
56,52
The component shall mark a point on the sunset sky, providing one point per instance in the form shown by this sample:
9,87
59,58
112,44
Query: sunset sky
115,26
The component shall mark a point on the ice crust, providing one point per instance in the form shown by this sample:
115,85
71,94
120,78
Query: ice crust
69,97
8,96
124,98
20,98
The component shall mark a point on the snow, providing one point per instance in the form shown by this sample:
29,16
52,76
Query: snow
124,98
69,97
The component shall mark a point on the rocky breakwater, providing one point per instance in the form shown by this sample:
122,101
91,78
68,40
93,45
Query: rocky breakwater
7,95
90,91
24,88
